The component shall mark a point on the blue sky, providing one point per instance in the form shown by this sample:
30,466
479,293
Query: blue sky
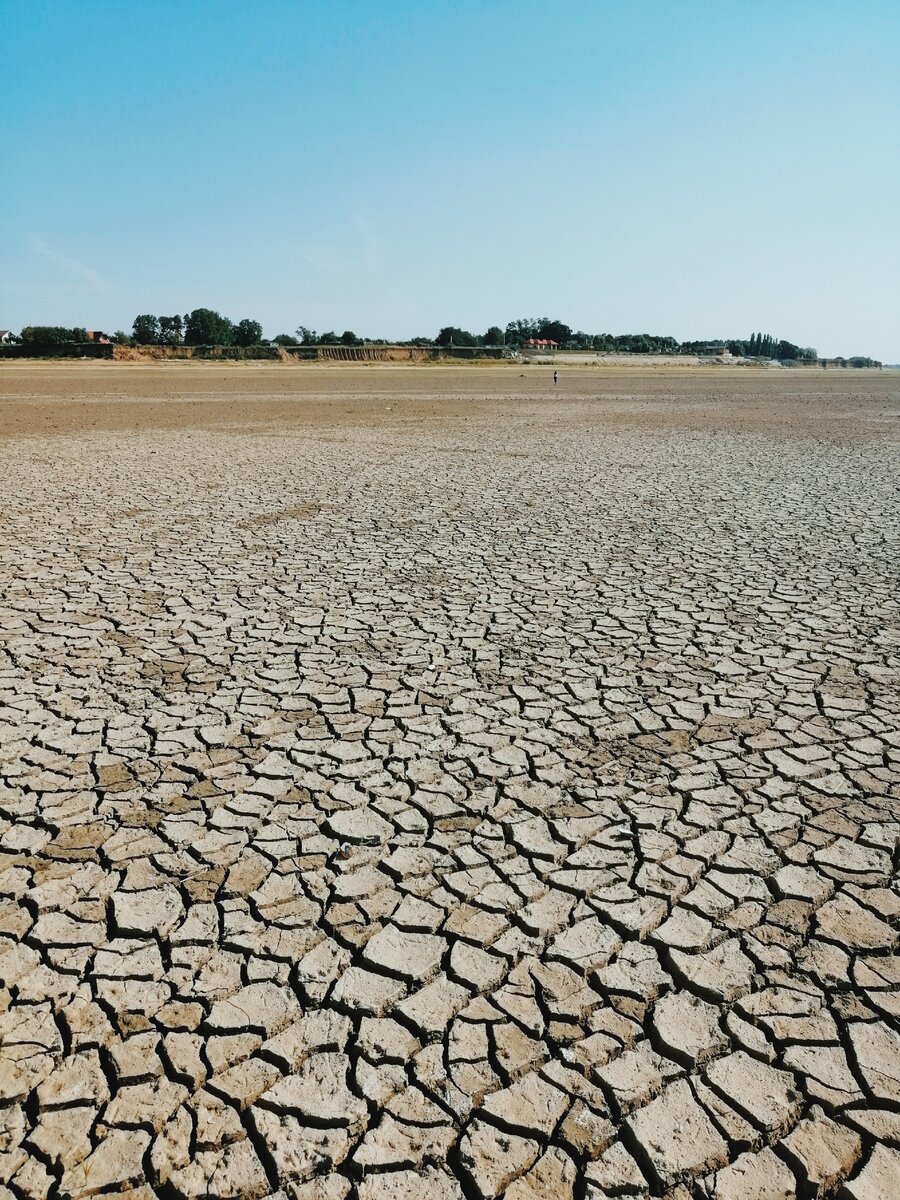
667,166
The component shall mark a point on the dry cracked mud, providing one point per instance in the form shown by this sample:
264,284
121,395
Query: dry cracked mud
424,785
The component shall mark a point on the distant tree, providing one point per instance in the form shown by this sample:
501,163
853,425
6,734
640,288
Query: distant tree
206,327
450,335
329,339
51,335
284,339
349,338
145,331
121,338
171,330
247,333
307,337
518,332
544,328
493,336
554,331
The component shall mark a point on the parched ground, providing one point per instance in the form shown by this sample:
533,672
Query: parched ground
419,784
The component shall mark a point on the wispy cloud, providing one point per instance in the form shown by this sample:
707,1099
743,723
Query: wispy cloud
72,266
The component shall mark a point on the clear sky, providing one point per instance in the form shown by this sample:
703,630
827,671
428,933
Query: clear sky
683,167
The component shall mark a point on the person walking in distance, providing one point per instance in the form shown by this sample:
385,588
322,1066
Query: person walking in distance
555,378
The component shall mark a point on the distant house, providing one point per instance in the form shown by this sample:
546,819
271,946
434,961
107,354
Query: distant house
98,336
7,337
714,348
541,344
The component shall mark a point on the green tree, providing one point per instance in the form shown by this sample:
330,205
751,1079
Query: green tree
450,335
554,331
247,333
121,338
284,339
51,335
493,336
349,338
171,330
308,337
145,330
518,332
206,327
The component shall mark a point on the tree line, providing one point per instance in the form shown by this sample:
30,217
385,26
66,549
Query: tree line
206,327
519,333
51,335
202,327
763,345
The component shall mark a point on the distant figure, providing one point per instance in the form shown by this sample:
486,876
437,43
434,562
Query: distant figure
555,377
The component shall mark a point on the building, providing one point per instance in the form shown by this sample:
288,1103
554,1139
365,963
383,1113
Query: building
7,337
98,336
541,344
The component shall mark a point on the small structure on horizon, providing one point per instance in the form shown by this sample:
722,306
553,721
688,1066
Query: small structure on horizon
542,344
98,336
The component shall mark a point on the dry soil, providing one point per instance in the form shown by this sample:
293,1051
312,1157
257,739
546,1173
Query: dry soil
419,784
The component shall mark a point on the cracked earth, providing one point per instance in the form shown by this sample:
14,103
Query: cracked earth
425,785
